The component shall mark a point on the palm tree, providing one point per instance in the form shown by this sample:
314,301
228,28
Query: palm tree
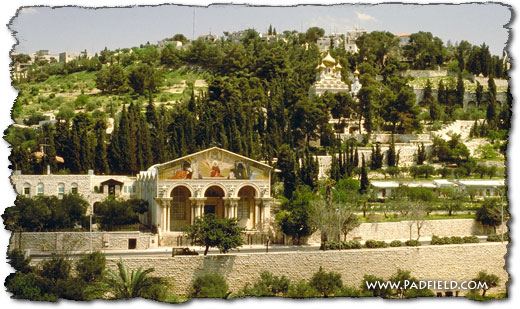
129,285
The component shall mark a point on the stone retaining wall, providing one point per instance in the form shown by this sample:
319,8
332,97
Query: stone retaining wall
80,241
448,262
401,230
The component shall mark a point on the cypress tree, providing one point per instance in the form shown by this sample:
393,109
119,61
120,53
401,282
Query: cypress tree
364,183
74,164
20,159
100,159
478,93
126,163
144,151
114,152
421,154
460,90
441,94
392,156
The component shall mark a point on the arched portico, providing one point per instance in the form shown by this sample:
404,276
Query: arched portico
214,203
179,211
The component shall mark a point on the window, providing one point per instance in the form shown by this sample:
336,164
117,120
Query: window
124,189
61,190
488,192
74,188
40,189
132,243
27,190
243,209
178,209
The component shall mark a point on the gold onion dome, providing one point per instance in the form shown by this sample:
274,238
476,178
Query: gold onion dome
328,60
338,67
356,72
322,66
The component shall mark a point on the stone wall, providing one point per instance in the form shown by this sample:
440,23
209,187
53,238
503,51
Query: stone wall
448,262
80,241
401,230
425,73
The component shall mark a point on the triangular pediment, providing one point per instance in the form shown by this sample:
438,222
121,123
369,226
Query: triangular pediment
214,163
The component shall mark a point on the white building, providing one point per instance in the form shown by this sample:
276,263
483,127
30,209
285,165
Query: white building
484,188
211,181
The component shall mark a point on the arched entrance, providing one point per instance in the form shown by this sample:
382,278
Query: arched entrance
246,211
214,203
180,214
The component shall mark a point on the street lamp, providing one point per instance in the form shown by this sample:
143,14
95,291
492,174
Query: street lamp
90,230
501,215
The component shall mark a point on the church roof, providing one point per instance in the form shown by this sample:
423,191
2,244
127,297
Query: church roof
172,162
328,60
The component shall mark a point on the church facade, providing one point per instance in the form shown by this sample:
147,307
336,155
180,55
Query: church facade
213,181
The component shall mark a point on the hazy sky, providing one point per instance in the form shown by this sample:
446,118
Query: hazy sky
75,29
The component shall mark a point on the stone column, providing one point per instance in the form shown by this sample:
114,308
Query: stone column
233,205
164,204
259,218
266,211
226,207
197,204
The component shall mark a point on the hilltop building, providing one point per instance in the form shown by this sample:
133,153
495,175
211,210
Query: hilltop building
328,79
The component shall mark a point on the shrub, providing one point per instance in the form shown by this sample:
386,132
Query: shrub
375,244
55,268
268,285
210,286
334,245
301,290
497,237
456,240
17,260
326,282
396,243
413,243
91,267
351,244
471,239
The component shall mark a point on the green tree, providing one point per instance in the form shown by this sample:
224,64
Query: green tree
91,267
268,285
392,156
294,217
454,199
287,164
209,231
364,183
421,154
326,283
489,281
210,286
460,90
490,213
100,159
113,212
111,79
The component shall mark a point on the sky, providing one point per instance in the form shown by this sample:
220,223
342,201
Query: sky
75,29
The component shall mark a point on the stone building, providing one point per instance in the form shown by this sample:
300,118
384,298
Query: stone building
93,188
211,181
328,80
